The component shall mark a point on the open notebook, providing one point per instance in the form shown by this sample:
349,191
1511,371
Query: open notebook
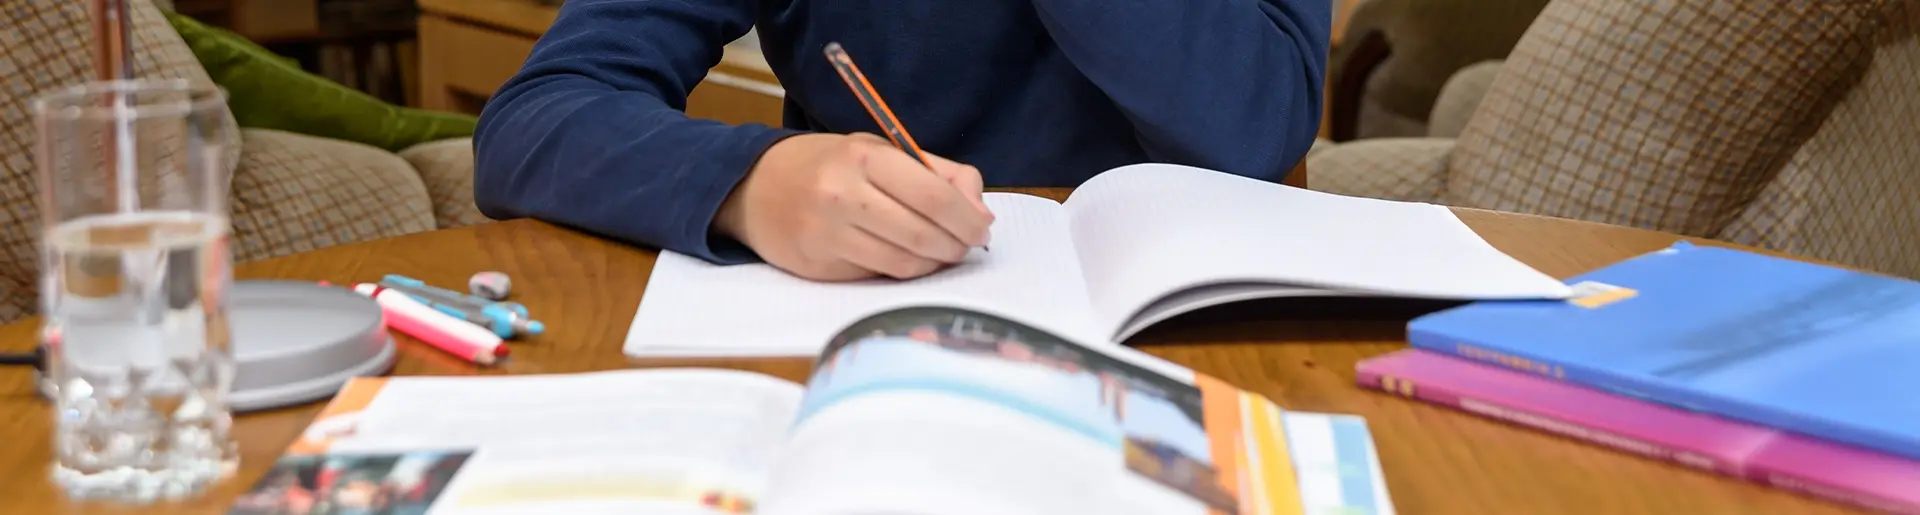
1131,247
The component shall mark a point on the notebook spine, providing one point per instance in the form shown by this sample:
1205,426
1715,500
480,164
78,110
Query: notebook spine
1660,393
1460,348
1780,478
1441,396
1789,481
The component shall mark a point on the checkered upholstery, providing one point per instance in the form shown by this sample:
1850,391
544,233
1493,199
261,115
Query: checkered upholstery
1460,97
447,167
290,193
1784,124
1410,169
1851,191
364,193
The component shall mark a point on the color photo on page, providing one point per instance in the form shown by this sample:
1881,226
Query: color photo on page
1154,420
384,484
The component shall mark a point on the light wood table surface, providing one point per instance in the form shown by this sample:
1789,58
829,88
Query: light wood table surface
1437,461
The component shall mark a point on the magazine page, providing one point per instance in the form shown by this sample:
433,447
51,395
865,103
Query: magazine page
669,441
935,411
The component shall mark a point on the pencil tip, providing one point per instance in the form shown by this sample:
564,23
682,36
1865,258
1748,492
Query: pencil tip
833,47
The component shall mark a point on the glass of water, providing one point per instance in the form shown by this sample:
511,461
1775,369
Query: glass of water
135,263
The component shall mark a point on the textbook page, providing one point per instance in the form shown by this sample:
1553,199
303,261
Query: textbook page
937,411
695,308
1148,231
692,441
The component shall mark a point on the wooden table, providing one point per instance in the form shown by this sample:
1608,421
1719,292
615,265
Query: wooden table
1437,461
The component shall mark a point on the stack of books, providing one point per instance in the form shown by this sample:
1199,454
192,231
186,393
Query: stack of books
1794,375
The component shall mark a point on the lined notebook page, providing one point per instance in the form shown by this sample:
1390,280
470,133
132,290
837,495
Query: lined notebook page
1144,231
1031,275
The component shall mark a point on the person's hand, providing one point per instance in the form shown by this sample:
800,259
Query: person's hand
831,207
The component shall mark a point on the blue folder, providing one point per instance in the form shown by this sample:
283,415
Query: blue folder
1813,349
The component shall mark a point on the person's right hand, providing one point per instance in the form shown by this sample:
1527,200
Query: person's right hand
832,207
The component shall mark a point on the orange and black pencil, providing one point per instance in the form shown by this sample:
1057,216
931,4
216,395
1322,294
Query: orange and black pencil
869,98
875,106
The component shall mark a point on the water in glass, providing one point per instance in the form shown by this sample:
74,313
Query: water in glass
134,277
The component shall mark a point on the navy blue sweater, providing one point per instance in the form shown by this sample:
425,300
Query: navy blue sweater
591,133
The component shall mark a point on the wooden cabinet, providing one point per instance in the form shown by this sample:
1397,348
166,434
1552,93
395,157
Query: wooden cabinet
468,48
740,90
461,64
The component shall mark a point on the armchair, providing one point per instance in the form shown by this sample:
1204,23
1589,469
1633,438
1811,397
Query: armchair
1786,125
290,192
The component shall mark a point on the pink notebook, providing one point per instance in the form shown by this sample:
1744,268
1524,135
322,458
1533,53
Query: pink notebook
1841,473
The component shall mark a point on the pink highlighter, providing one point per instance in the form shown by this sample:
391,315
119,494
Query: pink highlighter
455,336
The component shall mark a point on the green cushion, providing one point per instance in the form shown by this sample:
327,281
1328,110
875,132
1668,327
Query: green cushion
269,91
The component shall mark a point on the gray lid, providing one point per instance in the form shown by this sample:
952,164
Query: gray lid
296,342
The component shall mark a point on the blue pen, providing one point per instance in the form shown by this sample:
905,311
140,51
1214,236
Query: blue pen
503,318
507,319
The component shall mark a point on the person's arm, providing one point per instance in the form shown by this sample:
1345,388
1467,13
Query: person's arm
592,134
1229,85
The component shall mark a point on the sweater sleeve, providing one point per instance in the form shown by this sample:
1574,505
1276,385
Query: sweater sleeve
592,132
1229,85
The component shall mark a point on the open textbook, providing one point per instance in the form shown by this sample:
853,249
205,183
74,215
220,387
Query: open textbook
916,411
1131,247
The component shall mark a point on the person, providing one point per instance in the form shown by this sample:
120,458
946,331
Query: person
591,132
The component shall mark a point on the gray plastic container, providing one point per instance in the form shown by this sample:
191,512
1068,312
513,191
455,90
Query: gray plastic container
296,342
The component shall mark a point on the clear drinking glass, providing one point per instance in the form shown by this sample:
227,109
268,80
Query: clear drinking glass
135,264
